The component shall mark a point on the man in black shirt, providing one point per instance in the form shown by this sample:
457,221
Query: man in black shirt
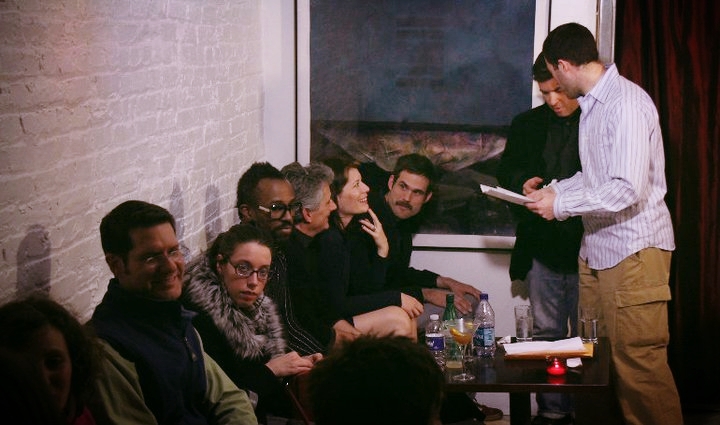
543,146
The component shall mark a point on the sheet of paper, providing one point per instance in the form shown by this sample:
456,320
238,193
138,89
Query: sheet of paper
504,194
571,347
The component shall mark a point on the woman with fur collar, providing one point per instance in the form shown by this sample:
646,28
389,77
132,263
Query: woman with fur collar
239,325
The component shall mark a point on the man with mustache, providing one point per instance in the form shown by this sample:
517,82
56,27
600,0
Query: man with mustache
408,189
154,369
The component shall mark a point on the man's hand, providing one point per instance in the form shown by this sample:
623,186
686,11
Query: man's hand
411,305
543,205
531,185
460,290
344,331
289,364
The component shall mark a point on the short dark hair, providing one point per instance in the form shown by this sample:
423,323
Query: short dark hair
571,42
225,243
115,227
376,380
20,320
248,182
416,164
540,71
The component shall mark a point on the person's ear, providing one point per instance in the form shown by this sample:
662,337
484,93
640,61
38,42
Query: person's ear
427,197
563,65
218,264
116,264
245,213
391,182
306,215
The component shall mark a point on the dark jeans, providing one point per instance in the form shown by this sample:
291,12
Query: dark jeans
554,300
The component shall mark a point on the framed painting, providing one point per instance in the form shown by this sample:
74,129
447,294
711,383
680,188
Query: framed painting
442,78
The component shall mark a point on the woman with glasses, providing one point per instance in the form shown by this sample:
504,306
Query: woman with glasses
239,325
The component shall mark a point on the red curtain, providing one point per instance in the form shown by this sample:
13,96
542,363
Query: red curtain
671,49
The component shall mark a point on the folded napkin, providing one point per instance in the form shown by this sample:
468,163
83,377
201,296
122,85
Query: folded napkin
571,347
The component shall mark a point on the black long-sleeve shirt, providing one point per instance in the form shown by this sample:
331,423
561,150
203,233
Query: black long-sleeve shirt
544,145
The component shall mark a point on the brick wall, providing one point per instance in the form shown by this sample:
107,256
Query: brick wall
107,100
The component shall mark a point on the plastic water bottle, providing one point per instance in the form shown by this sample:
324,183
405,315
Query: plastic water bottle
435,340
484,338
452,351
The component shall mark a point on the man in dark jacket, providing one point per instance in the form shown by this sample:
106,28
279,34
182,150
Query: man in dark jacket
542,147
154,368
409,187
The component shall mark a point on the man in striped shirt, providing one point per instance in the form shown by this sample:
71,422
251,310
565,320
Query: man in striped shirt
626,248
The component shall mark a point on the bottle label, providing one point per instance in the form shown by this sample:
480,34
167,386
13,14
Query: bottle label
435,342
484,337
488,337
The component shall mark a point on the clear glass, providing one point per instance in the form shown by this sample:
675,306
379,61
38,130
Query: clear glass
462,331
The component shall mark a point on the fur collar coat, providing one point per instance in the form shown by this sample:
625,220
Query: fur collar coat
251,334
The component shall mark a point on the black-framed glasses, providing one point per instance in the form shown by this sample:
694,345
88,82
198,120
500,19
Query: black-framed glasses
244,269
277,210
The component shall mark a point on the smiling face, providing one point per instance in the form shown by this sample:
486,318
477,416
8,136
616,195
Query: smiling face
244,291
155,265
561,104
407,194
49,352
352,199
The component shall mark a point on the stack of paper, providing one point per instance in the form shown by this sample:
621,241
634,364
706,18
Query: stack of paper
571,347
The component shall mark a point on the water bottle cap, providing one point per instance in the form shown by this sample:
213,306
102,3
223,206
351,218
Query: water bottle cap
484,296
434,317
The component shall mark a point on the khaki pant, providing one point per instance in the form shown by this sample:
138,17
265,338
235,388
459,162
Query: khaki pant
632,298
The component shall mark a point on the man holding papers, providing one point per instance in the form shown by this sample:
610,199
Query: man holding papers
543,146
626,249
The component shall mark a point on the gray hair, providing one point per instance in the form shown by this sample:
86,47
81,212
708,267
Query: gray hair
308,182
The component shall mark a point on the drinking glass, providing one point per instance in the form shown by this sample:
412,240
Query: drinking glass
588,324
462,331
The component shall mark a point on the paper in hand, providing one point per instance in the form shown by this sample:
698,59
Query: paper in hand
505,195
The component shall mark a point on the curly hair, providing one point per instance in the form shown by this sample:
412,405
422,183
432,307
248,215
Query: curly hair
308,182
344,386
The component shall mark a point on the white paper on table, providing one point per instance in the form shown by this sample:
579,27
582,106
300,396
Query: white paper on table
563,346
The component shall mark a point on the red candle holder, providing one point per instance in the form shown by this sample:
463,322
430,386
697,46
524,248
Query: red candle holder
556,366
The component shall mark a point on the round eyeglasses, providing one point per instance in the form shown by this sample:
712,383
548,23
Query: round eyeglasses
245,270
277,210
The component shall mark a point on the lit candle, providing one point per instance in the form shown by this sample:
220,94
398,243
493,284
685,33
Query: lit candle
556,366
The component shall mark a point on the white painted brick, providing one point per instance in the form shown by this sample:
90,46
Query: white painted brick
111,100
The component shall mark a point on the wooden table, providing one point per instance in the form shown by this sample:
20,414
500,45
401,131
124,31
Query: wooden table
519,378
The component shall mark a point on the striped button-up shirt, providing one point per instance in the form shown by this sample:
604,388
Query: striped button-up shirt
621,189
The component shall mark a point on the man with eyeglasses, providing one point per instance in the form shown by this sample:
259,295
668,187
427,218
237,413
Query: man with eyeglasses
266,199
154,368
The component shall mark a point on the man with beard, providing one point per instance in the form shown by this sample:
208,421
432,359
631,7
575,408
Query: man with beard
627,245
265,198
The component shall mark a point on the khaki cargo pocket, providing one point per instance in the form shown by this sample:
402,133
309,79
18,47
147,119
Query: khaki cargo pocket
642,316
